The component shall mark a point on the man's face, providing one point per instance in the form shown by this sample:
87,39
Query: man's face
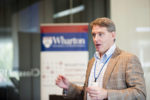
102,39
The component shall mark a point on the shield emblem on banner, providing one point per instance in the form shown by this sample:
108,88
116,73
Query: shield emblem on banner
47,42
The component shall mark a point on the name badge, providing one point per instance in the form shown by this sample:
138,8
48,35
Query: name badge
94,84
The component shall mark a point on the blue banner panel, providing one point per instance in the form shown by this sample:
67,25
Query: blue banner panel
64,41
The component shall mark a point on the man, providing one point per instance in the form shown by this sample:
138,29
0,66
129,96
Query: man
111,74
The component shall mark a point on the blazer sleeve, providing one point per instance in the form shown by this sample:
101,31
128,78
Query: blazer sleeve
135,82
75,91
78,92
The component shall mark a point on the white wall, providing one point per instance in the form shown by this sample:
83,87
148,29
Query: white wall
130,16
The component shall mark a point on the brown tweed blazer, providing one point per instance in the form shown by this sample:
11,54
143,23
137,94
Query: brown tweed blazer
123,78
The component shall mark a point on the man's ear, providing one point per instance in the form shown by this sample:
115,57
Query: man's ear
114,35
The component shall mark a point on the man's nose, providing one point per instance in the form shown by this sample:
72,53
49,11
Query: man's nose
96,37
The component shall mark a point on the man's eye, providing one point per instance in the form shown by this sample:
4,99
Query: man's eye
93,35
100,34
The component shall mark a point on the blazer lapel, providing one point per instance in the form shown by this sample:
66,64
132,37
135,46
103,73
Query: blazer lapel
87,76
89,70
110,66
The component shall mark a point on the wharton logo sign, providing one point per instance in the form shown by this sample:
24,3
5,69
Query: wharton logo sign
61,41
64,42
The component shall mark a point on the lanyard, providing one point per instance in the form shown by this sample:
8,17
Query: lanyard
101,68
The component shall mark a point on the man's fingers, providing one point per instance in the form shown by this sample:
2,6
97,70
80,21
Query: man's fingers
62,78
94,98
91,90
59,77
92,95
57,82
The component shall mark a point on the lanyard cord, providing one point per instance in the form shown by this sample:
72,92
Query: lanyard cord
101,68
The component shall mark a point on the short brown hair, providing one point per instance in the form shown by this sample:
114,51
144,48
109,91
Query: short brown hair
104,22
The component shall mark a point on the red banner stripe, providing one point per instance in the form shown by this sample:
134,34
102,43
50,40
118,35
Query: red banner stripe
64,29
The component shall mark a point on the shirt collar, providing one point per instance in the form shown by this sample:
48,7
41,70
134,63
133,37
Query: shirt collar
106,55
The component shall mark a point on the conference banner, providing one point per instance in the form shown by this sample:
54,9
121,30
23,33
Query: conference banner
64,51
